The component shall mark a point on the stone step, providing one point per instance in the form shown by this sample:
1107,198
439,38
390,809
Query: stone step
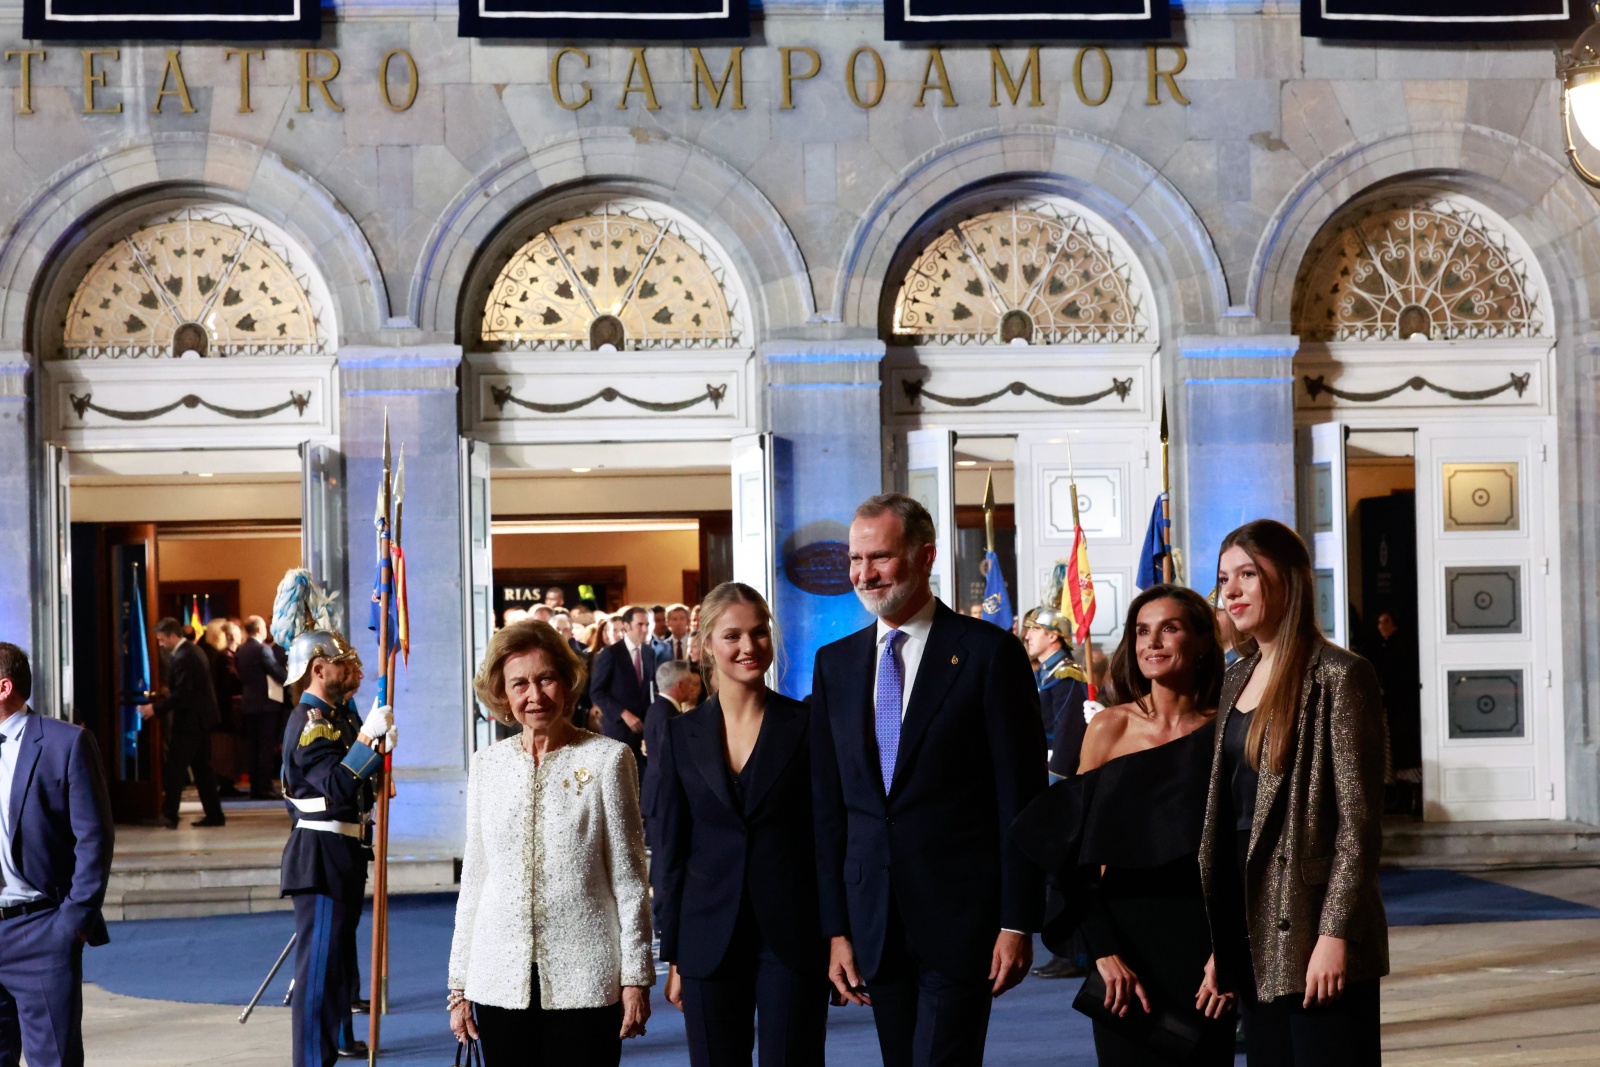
1487,846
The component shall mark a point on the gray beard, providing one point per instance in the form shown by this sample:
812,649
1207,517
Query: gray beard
888,601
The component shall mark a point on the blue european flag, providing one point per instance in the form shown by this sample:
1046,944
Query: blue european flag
1155,546
996,598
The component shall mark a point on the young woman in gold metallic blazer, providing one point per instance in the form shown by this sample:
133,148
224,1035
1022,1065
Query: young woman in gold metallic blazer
1289,856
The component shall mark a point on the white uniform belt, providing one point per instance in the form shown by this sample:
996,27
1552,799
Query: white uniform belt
310,805
348,829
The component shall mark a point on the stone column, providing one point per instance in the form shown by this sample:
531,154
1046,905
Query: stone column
1235,443
823,408
18,583
416,385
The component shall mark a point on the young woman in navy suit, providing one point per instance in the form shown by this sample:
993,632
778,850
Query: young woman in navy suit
735,870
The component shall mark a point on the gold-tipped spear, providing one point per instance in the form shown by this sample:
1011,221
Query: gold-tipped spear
988,511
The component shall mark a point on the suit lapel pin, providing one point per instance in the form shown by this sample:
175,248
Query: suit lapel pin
954,660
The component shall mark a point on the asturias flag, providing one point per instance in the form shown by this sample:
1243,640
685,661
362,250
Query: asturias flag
996,598
1155,546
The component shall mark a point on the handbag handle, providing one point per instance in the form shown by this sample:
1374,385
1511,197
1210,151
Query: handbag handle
473,1052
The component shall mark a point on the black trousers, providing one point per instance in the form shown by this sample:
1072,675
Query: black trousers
924,1018
1281,1033
536,1037
262,733
324,928
189,750
752,985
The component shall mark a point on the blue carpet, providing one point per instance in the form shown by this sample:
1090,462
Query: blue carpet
1434,898
220,960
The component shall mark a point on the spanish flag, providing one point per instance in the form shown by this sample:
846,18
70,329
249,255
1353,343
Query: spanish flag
1077,592
402,609
195,624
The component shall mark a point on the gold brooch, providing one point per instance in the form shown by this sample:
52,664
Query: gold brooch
582,776
954,660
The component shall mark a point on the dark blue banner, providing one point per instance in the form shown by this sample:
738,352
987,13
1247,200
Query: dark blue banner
172,20
617,20
1444,20
1026,20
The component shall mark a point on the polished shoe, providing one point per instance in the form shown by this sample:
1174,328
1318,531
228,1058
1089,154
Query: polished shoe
361,1007
1059,967
209,821
357,1051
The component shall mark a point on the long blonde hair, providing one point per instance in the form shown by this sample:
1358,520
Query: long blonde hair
716,602
1284,565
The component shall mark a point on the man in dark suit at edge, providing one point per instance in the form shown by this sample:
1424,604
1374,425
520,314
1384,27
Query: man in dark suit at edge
190,707
623,681
927,742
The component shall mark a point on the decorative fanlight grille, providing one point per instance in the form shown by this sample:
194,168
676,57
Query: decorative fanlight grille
1429,269
199,280
620,276
1031,271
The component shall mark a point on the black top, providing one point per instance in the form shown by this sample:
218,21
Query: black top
739,781
1242,778
1146,809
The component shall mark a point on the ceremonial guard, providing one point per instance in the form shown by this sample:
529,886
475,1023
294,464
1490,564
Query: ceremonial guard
328,767
1062,692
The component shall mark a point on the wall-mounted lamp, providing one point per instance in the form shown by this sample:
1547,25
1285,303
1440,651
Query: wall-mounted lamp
1580,96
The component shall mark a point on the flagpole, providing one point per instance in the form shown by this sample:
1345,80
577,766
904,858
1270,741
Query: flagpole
380,844
398,491
1169,567
1088,639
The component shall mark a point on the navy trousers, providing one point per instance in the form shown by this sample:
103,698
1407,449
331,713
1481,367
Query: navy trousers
925,1018
41,992
324,928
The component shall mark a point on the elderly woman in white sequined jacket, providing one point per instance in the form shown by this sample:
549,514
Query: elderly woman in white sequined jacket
551,958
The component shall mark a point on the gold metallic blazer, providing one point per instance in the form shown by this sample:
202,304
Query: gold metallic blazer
1312,866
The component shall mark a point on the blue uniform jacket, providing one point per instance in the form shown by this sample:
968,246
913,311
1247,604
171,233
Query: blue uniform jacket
322,758
1061,706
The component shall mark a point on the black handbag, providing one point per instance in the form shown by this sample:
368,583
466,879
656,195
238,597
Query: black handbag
1165,1033
471,1050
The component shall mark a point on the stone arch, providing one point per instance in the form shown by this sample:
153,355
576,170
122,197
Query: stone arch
722,201
132,177
1536,196
1132,197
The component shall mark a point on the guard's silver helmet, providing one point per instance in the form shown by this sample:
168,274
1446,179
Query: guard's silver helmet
326,644
1049,617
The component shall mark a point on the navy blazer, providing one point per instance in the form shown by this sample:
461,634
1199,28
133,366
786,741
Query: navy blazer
655,737
61,816
971,756
1063,707
256,663
191,696
712,857
614,689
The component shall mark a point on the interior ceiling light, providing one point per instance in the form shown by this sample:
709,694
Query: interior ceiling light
203,474
581,470
966,463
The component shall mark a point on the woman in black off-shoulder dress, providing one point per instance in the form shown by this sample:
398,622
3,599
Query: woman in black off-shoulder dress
1127,834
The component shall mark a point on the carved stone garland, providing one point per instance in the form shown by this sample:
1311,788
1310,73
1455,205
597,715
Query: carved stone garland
618,277
1031,271
1433,269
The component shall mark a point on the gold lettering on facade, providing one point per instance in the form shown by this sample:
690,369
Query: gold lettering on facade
789,75
645,86
880,80
173,71
733,72
26,89
411,80
308,78
96,79
555,78
1105,76
999,72
244,55
942,83
1158,75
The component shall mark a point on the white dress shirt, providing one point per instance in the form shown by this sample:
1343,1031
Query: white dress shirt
14,889
915,642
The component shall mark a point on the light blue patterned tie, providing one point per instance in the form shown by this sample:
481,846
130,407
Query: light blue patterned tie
891,685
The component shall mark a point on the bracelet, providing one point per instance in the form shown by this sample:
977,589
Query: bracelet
454,999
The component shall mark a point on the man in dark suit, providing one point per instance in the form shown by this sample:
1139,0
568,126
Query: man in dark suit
621,686
926,744
677,691
190,710
257,662
55,860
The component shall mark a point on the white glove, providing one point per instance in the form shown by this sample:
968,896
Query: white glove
1091,708
389,740
379,721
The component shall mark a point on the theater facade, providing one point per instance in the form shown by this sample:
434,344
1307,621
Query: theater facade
796,268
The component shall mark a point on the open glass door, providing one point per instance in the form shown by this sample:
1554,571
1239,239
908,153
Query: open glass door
1488,599
930,480
753,531
322,527
1324,517
55,690
477,584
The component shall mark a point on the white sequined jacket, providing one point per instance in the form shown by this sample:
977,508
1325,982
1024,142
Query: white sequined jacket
554,871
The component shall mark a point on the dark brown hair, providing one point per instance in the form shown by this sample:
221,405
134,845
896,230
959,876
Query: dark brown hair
529,635
1129,682
1284,564
14,665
